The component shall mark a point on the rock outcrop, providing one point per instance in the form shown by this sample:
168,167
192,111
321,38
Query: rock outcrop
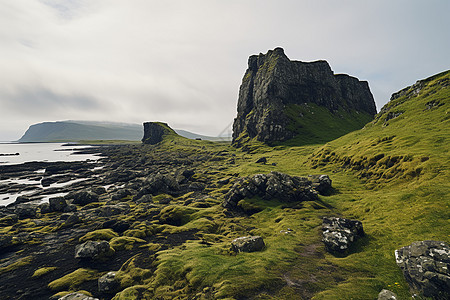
274,87
274,185
248,244
154,132
425,265
339,233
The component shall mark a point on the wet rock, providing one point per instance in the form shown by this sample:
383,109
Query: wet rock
387,295
57,204
248,244
425,266
120,194
24,211
45,208
8,219
339,233
147,198
5,241
108,283
112,210
274,185
84,197
22,199
99,190
77,296
92,250
72,219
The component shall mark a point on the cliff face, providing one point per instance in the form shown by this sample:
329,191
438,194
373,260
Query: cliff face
274,85
154,132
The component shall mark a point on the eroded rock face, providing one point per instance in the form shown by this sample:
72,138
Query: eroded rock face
154,132
339,233
272,82
425,265
274,185
248,244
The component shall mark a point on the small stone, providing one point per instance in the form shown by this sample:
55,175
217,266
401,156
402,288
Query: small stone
92,249
57,204
262,160
339,233
77,296
108,283
386,295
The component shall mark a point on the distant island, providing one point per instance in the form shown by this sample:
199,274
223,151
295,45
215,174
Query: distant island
73,131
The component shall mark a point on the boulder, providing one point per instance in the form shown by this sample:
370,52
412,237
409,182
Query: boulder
57,204
93,250
84,197
248,244
77,296
339,233
108,283
425,265
112,210
5,241
321,183
274,185
24,211
387,295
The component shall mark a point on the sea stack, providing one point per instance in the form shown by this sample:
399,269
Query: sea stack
277,93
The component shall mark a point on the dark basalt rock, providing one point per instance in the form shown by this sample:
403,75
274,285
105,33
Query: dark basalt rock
108,283
84,197
92,250
248,244
274,185
425,265
272,82
154,132
339,233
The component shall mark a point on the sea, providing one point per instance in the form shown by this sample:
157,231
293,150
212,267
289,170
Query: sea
27,152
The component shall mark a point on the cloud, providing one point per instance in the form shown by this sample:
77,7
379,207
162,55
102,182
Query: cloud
182,61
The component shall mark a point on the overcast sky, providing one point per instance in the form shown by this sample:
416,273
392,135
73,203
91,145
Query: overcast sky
182,61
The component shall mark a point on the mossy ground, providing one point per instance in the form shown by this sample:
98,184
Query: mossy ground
392,175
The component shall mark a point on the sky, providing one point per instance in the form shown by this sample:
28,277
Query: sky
182,62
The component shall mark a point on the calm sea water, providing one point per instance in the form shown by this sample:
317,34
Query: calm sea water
40,152
37,152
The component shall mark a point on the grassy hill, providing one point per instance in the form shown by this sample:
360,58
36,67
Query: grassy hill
393,175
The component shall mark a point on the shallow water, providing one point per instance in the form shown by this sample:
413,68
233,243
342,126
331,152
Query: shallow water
41,152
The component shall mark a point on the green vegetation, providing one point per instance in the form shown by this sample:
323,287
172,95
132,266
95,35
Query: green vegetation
73,280
42,271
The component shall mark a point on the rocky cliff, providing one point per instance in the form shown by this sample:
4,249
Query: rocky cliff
277,93
154,132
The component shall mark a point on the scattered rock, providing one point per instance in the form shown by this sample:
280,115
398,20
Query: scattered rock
77,296
339,233
268,186
57,204
5,241
425,265
112,210
262,160
321,183
24,211
248,244
108,283
84,197
92,250
387,295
